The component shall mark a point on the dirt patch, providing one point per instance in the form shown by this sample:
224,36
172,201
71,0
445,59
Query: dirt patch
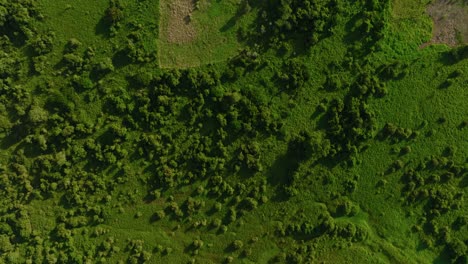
450,22
179,27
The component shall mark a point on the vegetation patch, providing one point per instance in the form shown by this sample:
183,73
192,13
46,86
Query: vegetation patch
193,33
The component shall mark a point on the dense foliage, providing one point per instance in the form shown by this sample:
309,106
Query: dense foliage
282,154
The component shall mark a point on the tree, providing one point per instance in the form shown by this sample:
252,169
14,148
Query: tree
114,14
5,244
37,114
249,203
43,44
237,244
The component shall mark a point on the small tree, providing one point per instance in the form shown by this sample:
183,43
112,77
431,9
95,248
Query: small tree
114,14
237,244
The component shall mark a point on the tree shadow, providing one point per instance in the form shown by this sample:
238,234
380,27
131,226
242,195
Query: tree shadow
243,9
281,170
121,59
230,24
103,28
443,257
454,55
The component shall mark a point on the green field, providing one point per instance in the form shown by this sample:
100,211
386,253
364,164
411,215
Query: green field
284,131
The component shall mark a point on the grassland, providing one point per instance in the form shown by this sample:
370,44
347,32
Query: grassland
271,133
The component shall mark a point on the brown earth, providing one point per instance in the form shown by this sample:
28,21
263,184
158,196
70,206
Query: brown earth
450,19
179,28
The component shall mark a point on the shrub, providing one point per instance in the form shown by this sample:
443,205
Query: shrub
216,222
72,45
231,215
5,244
249,203
43,44
104,67
73,62
113,15
197,243
237,244
457,250
167,251
405,150
158,215
37,114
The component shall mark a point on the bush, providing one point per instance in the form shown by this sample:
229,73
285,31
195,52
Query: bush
249,203
73,62
43,44
5,244
197,243
72,45
405,150
104,67
457,250
82,82
158,215
216,222
114,15
37,114
237,244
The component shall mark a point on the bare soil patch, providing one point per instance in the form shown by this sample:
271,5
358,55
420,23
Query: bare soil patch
179,28
450,22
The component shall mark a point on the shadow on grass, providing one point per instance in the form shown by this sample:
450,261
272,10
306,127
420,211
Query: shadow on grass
102,28
443,257
230,24
121,59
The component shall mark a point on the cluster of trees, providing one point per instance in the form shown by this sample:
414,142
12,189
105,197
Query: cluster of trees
350,121
326,225
114,13
250,156
396,133
294,76
368,27
430,191
17,20
137,252
135,50
309,20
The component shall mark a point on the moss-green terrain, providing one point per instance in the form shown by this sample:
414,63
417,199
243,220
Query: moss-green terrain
282,131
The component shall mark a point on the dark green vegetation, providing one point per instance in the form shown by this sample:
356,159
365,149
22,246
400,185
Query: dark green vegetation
329,137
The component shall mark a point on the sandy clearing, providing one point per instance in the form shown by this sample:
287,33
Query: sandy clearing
450,19
179,28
